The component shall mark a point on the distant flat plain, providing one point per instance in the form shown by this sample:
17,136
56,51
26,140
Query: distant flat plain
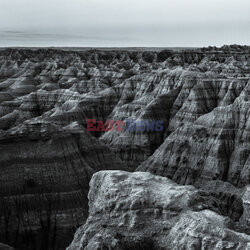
106,48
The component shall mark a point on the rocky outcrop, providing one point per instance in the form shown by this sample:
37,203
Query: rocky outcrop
142,211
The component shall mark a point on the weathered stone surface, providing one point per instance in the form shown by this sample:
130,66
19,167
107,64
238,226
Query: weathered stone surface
176,87
214,146
142,211
45,171
47,157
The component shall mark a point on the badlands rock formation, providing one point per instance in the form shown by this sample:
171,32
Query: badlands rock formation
45,171
48,157
143,211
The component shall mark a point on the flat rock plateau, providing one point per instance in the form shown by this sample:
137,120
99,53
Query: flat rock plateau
184,187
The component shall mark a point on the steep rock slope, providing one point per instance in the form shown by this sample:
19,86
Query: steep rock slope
45,171
214,146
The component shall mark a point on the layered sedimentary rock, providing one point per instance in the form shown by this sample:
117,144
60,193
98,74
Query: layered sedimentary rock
47,157
177,95
142,211
175,87
45,171
214,146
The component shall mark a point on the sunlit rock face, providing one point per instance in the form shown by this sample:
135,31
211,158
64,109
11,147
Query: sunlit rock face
143,211
214,146
48,158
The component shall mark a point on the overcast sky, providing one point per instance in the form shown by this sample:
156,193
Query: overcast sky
124,22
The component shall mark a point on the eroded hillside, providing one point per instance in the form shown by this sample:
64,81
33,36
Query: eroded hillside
48,157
